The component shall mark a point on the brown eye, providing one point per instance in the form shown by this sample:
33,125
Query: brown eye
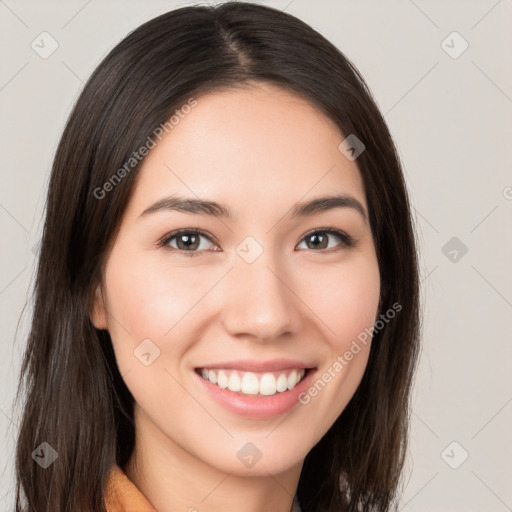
187,241
320,238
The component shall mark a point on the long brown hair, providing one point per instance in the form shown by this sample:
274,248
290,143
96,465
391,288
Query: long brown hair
75,398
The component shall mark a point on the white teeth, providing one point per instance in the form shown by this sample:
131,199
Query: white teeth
292,379
282,383
251,384
268,385
235,384
222,381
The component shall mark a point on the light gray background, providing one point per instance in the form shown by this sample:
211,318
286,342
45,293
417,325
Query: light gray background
451,119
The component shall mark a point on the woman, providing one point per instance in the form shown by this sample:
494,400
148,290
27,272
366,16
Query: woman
226,305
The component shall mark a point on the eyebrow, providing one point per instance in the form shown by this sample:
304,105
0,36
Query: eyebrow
214,209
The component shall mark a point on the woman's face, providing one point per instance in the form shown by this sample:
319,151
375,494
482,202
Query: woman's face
256,299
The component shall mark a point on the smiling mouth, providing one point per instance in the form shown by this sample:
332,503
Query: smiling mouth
254,383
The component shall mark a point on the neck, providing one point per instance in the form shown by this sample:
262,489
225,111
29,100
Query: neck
175,480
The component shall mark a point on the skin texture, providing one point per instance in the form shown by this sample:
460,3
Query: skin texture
259,150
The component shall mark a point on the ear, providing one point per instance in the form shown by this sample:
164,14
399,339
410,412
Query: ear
98,314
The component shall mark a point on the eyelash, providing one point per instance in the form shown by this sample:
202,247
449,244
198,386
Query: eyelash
347,241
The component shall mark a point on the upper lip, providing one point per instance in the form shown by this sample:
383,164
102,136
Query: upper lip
252,365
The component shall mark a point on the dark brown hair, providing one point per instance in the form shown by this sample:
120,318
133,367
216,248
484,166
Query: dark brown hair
76,400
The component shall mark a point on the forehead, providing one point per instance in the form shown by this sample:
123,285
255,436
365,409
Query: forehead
257,145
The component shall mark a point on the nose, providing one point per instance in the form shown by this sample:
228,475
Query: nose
259,301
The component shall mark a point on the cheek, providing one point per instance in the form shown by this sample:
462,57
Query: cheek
150,298
344,298
150,312
147,302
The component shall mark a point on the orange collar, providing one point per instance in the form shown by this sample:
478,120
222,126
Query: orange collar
121,494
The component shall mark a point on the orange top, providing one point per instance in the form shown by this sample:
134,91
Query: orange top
122,495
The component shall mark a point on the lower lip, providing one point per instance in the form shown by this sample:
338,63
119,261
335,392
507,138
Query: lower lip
257,407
